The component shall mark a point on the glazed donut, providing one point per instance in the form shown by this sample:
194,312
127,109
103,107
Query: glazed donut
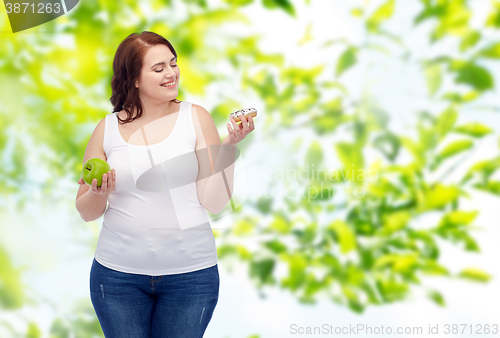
247,111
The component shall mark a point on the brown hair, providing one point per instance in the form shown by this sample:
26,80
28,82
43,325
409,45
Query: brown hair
127,66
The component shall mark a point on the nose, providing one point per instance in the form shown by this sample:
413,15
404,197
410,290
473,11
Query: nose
170,77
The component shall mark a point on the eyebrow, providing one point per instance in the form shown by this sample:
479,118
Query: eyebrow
162,63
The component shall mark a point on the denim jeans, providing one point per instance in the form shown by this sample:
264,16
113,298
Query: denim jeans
141,306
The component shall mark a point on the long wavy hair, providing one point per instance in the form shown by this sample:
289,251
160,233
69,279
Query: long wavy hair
127,66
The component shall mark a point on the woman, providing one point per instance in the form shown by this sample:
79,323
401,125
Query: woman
155,272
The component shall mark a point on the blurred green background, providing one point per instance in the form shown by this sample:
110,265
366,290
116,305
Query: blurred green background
387,108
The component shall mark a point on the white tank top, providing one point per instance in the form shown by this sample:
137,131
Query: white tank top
150,229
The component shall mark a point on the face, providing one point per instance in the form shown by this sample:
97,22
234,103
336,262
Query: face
159,67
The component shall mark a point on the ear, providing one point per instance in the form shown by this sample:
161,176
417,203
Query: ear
136,84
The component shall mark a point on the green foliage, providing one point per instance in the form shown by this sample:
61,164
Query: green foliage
330,118
445,121
351,157
473,129
380,229
480,172
490,52
346,60
383,13
457,218
472,74
297,271
452,18
343,235
59,330
475,274
264,205
283,4
434,77
314,154
11,291
81,318
388,144
276,246
493,19
470,40
262,270
455,147
33,331
239,2
437,297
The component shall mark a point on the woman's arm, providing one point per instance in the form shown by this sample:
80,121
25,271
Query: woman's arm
213,191
90,205
215,188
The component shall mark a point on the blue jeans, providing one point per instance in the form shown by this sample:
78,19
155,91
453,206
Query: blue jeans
141,306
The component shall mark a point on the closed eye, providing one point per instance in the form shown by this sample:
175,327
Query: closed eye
161,70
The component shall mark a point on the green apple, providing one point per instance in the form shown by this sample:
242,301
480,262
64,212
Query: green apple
94,168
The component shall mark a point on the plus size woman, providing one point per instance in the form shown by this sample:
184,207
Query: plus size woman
155,271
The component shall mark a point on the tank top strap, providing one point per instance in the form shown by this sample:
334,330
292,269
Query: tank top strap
189,118
110,127
186,122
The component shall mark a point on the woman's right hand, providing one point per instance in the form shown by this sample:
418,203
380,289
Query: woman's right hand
108,184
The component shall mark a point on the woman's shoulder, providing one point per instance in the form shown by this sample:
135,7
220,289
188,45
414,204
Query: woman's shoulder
202,115
200,110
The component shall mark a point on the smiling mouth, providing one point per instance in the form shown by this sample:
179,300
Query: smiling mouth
169,84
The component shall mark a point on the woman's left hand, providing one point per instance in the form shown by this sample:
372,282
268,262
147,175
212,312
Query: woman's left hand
240,130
